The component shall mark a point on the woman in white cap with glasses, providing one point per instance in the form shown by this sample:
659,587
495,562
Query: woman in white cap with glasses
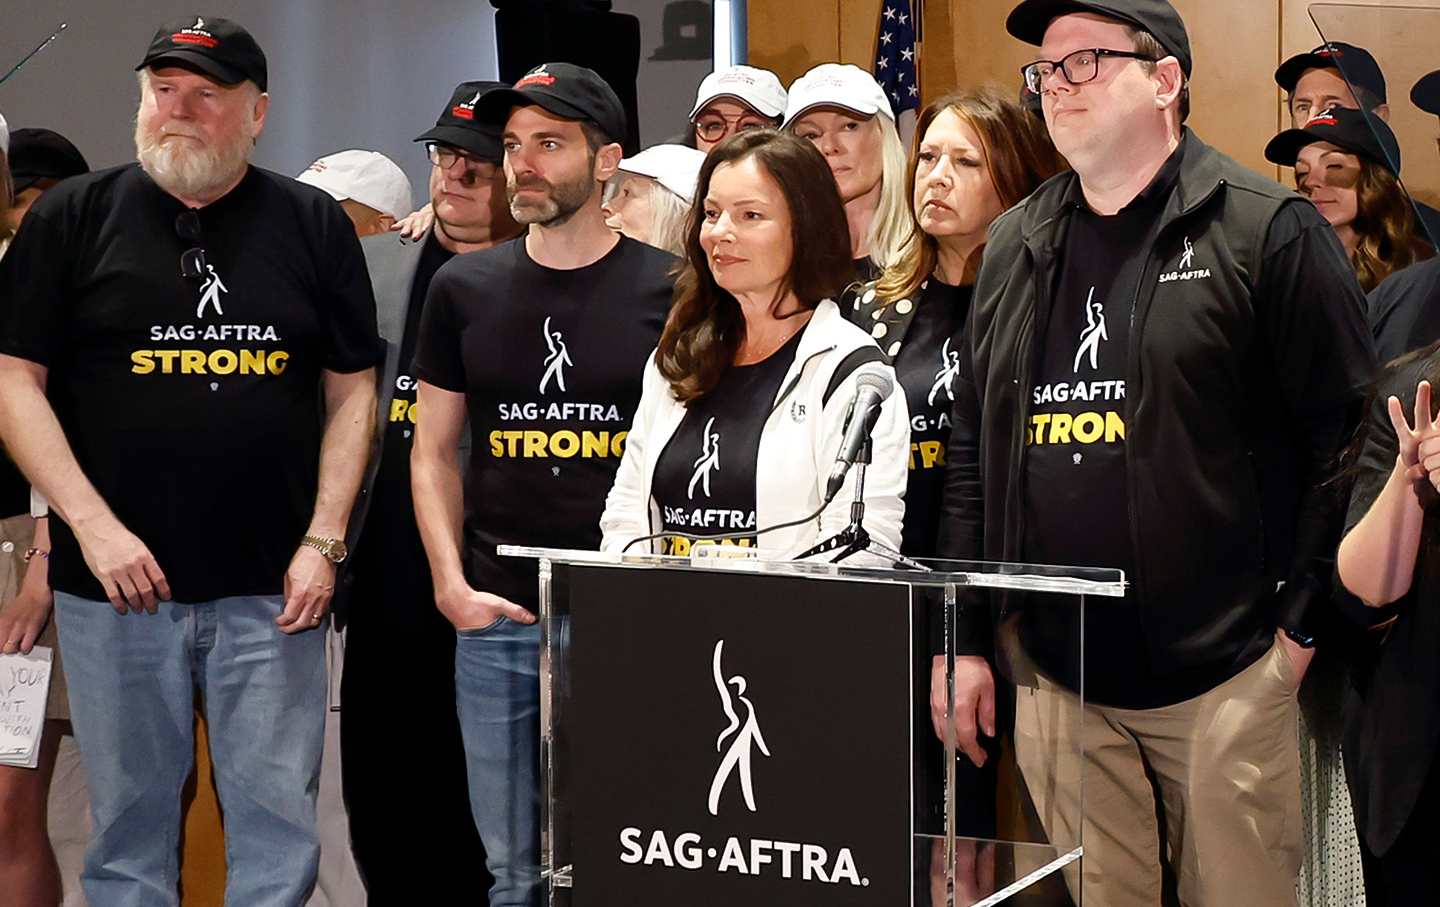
844,112
650,199
731,100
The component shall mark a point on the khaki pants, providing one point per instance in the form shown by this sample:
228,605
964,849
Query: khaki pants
1225,767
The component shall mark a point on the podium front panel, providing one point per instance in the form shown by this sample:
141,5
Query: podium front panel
732,738
766,732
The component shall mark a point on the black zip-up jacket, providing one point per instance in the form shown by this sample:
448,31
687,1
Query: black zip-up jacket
1247,366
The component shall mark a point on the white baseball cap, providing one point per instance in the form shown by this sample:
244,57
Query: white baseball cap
368,177
758,89
837,85
4,135
675,167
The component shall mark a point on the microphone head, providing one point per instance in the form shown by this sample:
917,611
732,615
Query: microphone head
879,382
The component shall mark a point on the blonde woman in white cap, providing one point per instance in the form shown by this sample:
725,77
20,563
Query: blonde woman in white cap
845,113
652,197
731,100
372,189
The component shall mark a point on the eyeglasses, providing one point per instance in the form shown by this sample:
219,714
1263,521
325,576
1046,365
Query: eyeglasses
712,126
444,157
1078,67
192,261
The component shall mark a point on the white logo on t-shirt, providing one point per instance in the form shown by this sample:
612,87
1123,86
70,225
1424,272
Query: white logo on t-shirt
708,461
210,293
1093,333
949,368
555,362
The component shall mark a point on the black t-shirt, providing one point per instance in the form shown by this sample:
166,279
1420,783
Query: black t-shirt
1076,493
194,406
551,364
704,480
926,365
390,565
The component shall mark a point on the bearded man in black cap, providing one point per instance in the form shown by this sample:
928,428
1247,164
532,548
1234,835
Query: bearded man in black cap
187,373
541,342
387,595
1211,317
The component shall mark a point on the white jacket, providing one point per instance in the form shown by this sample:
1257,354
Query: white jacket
798,445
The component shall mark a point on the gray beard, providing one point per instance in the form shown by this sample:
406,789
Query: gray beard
188,172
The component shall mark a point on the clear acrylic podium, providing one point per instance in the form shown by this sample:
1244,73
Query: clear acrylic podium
722,730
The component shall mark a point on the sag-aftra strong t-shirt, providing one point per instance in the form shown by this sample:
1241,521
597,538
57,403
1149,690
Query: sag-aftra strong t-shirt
193,404
550,362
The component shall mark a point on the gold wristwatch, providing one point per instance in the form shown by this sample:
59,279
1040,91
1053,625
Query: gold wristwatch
334,549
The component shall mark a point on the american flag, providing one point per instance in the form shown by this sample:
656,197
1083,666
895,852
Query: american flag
897,60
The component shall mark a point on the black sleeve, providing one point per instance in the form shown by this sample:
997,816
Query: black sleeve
1369,470
1311,313
962,516
438,358
352,340
34,290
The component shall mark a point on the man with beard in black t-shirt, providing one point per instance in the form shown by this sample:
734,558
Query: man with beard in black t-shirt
187,353
542,342
386,596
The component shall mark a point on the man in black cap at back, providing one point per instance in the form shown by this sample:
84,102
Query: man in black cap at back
39,158
1165,353
387,596
541,342
191,385
1335,74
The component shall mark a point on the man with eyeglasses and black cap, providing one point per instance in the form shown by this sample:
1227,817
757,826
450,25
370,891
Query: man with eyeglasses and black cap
1165,352
541,342
387,597
187,373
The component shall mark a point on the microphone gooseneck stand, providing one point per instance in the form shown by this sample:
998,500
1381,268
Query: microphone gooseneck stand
854,538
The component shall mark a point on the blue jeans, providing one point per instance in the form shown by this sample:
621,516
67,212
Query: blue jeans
131,691
497,694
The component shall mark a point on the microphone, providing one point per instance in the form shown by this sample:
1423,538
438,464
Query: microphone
871,390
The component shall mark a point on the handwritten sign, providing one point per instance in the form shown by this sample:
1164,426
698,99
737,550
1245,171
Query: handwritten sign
24,687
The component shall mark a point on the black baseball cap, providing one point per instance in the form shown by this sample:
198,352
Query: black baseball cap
213,47
564,89
1353,130
1426,93
458,125
43,154
1029,20
1355,64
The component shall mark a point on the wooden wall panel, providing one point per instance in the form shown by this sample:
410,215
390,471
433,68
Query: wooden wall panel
790,36
1234,101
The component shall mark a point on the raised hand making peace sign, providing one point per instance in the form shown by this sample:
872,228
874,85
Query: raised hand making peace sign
1419,447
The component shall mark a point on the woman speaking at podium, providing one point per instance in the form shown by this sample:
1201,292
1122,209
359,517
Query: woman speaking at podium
745,400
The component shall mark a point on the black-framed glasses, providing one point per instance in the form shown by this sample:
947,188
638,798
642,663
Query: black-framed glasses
192,260
1078,67
445,156
713,126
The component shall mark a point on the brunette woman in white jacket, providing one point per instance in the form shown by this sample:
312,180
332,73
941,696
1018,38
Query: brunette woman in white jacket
744,401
